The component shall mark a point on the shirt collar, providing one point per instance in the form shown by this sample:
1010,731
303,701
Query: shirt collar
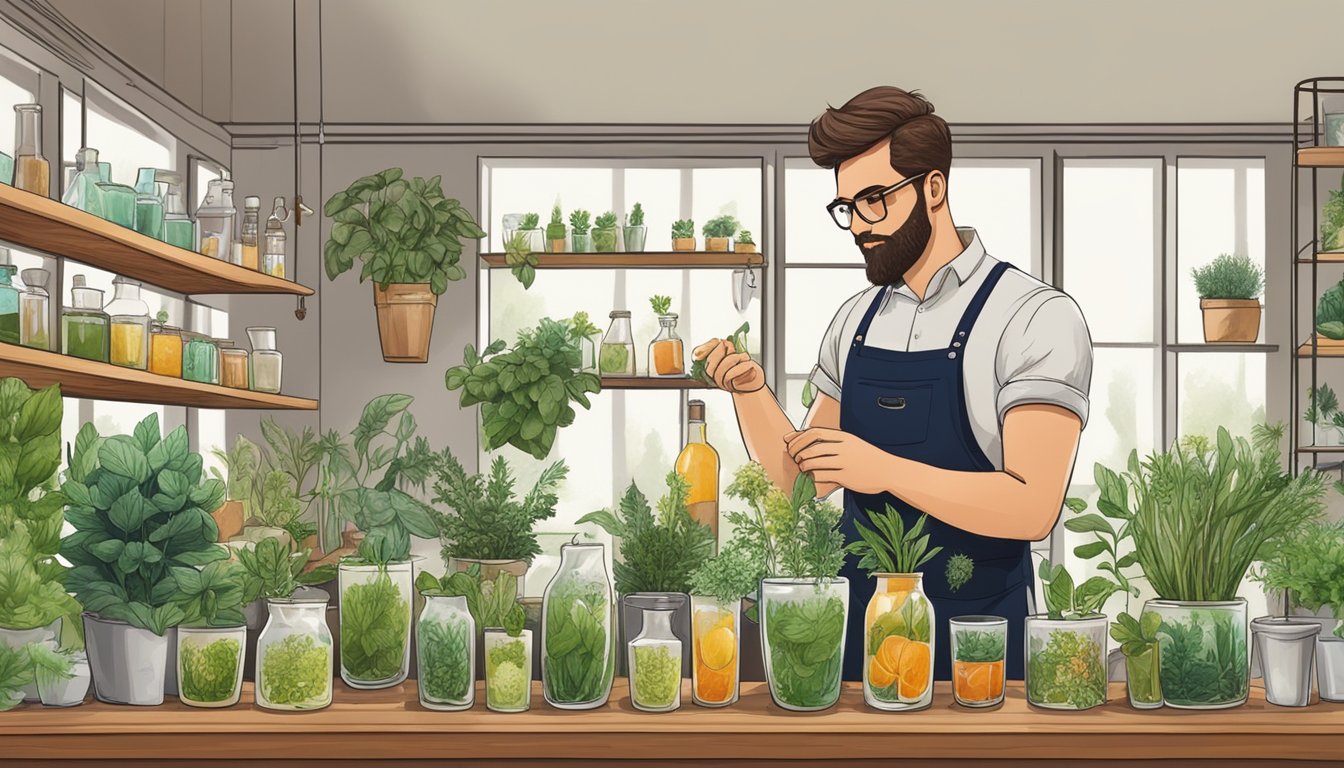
963,266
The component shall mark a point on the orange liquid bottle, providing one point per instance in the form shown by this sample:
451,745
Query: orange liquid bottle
699,465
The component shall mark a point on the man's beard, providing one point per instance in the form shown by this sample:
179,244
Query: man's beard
894,255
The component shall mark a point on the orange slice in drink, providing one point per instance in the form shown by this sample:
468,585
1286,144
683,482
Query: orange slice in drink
973,682
889,653
914,670
995,679
718,647
879,677
713,686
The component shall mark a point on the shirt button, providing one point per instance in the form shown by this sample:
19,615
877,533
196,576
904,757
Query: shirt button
921,309
916,335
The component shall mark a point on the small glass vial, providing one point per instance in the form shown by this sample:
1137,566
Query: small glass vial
667,358
118,201
200,359
84,323
446,654
215,219
251,212
508,670
617,354
9,301
655,663
232,365
34,303
266,360
273,259
165,350
130,325
294,662
32,173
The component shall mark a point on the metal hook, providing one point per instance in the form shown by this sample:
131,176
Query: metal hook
301,311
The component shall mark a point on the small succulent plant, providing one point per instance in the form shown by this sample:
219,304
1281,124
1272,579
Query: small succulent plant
721,226
605,221
683,228
744,237
580,222
556,229
530,221
636,218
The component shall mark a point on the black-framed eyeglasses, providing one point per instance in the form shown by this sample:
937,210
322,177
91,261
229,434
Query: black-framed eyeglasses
872,207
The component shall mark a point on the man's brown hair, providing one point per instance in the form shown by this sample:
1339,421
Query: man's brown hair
920,140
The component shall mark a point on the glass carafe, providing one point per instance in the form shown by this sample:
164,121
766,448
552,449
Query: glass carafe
617,354
446,654
9,302
266,360
250,232
714,640
215,218
294,654
178,228
84,324
508,670
666,353
32,173
898,644
578,661
129,316
82,192
655,663
34,306
118,202
273,258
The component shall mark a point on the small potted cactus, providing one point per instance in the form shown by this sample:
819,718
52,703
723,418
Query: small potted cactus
635,232
580,239
604,233
555,232
683,235
744,243
531,228
718,232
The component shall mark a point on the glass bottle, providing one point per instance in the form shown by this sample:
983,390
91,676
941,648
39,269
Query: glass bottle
617,356
149,214
129,316
82,192
178,228
899,644
32,173
655,663
84,323
9,301
266,360
979,648
714,640
273,259
446,654
200,359
508,670
578,658
232,365
294,670
698,463
34,304
251,212
118,202
215,218
165,350
666,355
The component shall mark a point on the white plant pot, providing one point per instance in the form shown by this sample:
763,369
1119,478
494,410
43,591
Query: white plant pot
1330,667
18,638
71,692
128,663
1285,647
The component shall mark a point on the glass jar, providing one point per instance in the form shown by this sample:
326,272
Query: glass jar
979,647
149,214
655,663
178,228
210,665
617,355
508,670
666,355
715,629
82,190
294,654
1066,662
9,302
200,359
1143,681
129,315
34,304
32,173
445,639
84,323
215,219
804,618
232,365
165,350
273,256
118,201
578,659
266,360
1211,634
898,644
250,232
375,652
6,169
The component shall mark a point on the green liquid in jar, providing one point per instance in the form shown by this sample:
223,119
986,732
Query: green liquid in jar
9,327
180,232
86,337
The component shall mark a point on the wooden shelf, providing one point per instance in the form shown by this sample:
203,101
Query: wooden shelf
40,224
367,728
1321,157
645,260
1333,349
101,381
1325,257
1215,347
648,382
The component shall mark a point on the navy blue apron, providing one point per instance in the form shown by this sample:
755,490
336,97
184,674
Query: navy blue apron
913,404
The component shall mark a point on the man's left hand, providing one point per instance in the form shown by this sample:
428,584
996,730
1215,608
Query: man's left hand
837,457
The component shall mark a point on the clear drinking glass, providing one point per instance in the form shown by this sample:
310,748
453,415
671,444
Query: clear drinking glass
715,633
266,360
979,648
1066,662
804,617
508,670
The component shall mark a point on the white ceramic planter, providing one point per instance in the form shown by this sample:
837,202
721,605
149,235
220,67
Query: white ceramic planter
1330,667
128,663
1285,648
71,692
17,638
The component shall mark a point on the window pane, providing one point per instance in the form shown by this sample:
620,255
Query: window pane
812,297
791,397
1222,389
810,234
1111,233
18,85
557,293
537,190
1220,208
658,191
204,174
71,108
731,191
122,138
1002,200
114,418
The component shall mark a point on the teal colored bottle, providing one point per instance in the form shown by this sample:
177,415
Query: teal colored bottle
9,303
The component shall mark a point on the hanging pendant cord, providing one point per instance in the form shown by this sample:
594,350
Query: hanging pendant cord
301,311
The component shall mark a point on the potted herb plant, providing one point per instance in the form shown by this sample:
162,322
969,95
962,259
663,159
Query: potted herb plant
1066,646
719,231
212,637
33,602
683,235
1322,407
1309,570
531,229
139,506
604,233
556,231
299,456
898,624
1229,297
62,675
634,232
1199,519
1139,644
718,587
580,239
526,392
448,664
409,237
744,243
657,555
274,569
588,337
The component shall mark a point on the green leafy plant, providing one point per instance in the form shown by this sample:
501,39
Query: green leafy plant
241,464
739,340
51,665
141,513
374,623
520,258
798,534
1332,222
978,647
1064,601
604,233
583,326
1203,660
682,229
579,657
1229,277
483,520
508,675
1330,313
530,221
892,548
1322,404
490,603
744,238
1109,540
1309,566
212,596
720,226
526,391
730,575
254,476
657,553
275,569
636,218
403,231
16,672
1065,669
661,304
958,571
296,670
580,221
300,455
445,659
210,670
555,230
806,649
656,676
1135,636
605,221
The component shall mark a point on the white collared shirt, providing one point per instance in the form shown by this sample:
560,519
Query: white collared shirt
1030,345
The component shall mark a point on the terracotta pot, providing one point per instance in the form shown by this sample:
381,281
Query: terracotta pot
405,321
683,243
1231,320
716,243
229,519
744,247
555,246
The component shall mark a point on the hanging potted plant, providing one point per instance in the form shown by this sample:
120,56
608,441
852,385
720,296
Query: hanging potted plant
744,243
409,238
138,505
1308,569
718,588
683,235
1229,297
635,233
1322,408
1199,518
580,239
556,231
212,638
604,233
719,232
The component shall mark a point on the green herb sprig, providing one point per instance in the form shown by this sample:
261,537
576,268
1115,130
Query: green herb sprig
683,228
481,519
661,304
636,218
891,548
979,647
739,340
1229,277
798,534
490,603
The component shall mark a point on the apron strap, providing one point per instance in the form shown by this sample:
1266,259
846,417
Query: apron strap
977,304
868,317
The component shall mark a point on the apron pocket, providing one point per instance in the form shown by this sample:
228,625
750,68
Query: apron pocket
895,414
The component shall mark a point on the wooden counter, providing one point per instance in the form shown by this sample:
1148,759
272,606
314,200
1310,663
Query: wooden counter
371,728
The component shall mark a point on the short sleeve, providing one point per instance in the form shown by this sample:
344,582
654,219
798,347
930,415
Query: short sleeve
828,373
1045,356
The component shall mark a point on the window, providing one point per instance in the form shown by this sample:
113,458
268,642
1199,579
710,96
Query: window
18,85
202,173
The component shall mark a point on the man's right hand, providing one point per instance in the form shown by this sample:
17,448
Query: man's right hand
730,370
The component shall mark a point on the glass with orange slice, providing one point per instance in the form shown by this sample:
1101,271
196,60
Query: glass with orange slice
979,645
714,640
898,632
